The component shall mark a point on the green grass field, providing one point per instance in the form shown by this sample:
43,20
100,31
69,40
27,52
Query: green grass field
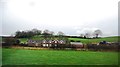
12,56
87,41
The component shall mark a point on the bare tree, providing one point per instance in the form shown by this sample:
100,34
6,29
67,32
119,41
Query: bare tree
60,33
51,32
87,35
36,31
97,33
46,33
81,35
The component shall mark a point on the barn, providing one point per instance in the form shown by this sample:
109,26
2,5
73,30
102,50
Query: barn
34,43
77,45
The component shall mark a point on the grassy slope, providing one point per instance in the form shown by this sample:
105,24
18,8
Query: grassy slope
23,40
54,57
109,39
85,41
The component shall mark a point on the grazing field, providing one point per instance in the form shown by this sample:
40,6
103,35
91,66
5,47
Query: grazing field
57,57
87,41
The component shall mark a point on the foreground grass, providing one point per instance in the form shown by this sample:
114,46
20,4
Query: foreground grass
57,57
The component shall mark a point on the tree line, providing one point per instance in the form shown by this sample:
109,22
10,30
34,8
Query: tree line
29,33
47,33
95,34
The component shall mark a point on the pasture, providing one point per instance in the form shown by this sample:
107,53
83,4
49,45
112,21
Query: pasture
12,56
87,41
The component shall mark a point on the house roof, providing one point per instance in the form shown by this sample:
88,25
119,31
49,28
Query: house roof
47,41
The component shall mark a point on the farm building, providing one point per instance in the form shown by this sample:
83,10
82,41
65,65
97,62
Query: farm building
45,43
77,45
33,43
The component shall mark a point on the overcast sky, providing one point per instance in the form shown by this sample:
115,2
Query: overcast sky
72,17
